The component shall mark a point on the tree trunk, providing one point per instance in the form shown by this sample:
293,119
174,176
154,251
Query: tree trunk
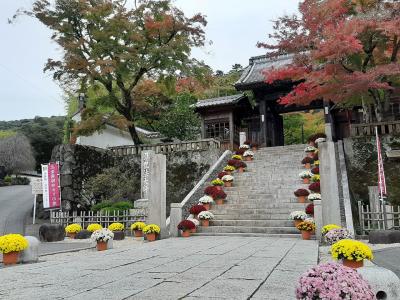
367,117
134,134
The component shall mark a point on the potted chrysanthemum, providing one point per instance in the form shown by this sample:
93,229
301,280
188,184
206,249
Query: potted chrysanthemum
310,209
196,209
254,146
186,227
237,157
221,174
248,155
219,197
151,231
241,166
309,150
297,217
137,229
206,201
205,217
101,237
245,146
351,252
11,245
315,170
316,178
335,235
315,187
210,190
196,224
301,195
218,183
314,196
305,176
228,180
306,229
118,230
229,169
333,281
93,227
325,229
307,161
72,230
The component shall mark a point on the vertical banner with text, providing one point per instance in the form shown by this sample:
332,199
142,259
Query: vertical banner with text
51,186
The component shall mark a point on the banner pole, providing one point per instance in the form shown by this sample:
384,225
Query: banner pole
34,210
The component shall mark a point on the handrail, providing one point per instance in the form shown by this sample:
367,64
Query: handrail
368,129
199,145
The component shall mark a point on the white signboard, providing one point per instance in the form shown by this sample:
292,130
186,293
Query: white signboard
45,186
36,185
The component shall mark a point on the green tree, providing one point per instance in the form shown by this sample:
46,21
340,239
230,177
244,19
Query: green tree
107,43
180,121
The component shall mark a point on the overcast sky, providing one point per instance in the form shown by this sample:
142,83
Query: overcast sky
234,27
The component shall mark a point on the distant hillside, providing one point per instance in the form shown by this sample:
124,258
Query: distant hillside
43,132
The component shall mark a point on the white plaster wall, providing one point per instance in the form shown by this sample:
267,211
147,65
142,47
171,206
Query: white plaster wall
108,137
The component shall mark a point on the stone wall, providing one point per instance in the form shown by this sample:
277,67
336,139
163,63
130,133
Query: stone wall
79,163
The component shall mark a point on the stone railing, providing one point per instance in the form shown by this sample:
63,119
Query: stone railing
180,211
368,129
165,148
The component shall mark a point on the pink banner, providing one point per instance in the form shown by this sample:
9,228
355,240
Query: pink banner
54,186
381,171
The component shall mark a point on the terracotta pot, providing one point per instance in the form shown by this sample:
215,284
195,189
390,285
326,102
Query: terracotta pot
207,205
101,246
71,235
353,264
219,188
306,180
306,235
248,158
119,235
10,258
228,183
138,233
194,230
205,223
301,199
307,166
219,201
297,222
241,170
185,233
151,237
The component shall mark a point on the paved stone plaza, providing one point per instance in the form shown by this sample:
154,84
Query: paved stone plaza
194,268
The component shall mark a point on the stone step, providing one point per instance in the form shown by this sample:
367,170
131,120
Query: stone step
289,235
251,216
246,229
251,223
256,211
270,206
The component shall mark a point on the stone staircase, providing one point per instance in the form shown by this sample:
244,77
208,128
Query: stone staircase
262,198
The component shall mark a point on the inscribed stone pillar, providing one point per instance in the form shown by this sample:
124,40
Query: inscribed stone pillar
157,193
147,160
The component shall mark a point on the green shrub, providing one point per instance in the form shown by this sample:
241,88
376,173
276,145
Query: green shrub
123,205
7,179
101,205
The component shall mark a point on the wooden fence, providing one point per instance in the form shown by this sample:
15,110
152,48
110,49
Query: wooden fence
378,218
164,148
105,218
390,127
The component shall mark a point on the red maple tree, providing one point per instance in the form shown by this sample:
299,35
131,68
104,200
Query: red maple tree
344,51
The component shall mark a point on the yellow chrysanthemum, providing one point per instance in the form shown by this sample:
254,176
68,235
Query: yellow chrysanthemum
229,168
73,228
13,243
138,226
306,226
351,250
116,227
151,228
329,227
238,157
94,227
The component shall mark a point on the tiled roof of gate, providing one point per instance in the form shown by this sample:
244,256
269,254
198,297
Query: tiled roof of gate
252,74
226,100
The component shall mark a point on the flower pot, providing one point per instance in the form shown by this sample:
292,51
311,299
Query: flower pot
353,264
138,233
119,235
228,183
307,166
297,222
205,223
254,149
101,246
306,235
306,180
301,199
218,187
151,237
241,170
206,205
185,233
194,230
10,258
71,235
219,201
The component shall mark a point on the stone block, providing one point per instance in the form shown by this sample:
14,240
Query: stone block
51,232
31,254
119,235
384,283
83,234
110,244
384,237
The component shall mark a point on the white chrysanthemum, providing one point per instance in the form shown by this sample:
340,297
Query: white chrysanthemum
305,174
206,199
310,149
298,215
102,235
248,153
314,196
206,215
244,147
228,178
